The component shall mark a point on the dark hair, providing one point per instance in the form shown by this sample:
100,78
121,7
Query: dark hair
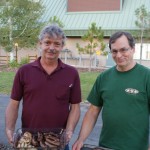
53,31
118,34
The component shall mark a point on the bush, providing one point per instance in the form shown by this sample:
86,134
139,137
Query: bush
13,64
24,60
8,48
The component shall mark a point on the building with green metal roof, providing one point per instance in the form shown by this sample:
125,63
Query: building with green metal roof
110,15
76,22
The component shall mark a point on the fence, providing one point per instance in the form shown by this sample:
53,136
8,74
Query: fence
6,59
32,57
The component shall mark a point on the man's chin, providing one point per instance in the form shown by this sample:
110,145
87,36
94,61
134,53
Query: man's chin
121,65
51,56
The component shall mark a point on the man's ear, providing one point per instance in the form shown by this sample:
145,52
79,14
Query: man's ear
62,47
133,49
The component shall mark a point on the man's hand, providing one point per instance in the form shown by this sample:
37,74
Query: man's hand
9,134
77,145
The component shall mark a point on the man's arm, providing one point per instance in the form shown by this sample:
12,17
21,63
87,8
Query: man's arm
10,118
73,119
88,124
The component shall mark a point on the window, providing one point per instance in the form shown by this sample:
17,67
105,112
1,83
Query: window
94,5
145,51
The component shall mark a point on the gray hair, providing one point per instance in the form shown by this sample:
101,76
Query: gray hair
52,31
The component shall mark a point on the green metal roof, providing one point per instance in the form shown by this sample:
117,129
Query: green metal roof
76,23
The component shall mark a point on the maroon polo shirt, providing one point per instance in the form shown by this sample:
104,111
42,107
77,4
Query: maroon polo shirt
46,98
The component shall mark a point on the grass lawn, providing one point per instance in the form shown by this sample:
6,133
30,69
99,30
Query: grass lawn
6,80
87,81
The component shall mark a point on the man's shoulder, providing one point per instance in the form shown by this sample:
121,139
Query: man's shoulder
27,66
106,74
143,68
70,67
108,71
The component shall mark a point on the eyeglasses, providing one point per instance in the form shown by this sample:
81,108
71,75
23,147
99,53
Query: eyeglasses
122,51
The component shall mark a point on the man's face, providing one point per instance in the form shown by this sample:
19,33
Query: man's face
122,53
51,47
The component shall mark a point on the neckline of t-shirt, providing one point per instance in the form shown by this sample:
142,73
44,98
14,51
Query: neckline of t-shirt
124,72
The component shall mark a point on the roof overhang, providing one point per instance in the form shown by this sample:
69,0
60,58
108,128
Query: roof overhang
107,32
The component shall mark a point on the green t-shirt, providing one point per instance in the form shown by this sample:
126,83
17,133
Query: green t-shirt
124,98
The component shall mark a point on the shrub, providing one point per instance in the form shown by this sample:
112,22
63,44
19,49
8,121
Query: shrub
13,64
24,60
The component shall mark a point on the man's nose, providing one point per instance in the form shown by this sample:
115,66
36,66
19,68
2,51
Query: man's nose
51,46
119,54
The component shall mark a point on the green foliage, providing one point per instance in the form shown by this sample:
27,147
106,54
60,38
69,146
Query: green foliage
2,2
142,17
13,64
24,60
56,20
94,39
143,21
8,48
20,22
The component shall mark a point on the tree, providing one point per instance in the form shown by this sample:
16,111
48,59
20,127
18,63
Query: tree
143,22
56,20
20,23
94,39
2,2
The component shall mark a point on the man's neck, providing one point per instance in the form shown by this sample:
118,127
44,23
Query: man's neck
126,68
49,66
49,63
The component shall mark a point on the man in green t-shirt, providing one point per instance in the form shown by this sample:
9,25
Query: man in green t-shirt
122,93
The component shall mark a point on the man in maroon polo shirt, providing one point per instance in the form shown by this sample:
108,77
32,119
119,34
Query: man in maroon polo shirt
50,89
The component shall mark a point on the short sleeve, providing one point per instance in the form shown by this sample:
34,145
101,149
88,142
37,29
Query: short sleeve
17,88
94,96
